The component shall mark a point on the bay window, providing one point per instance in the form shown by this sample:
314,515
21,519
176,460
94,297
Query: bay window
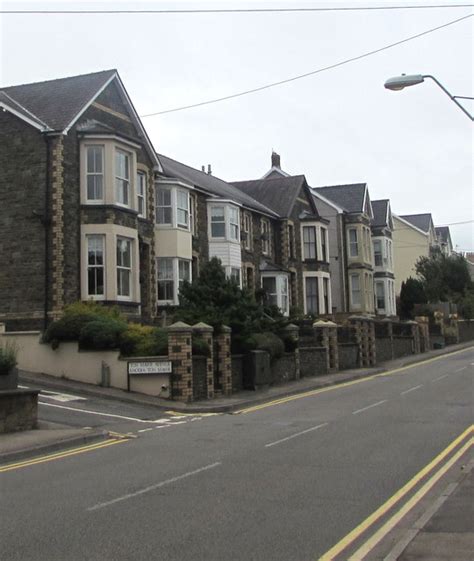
265,225
182,206
95,173
122,177
234,227
165,279
163,206
378,258
324,244
141,194
235,274
309,242
124,267
353,243
326,296
355,290
276,291
217,222
247,230
311,295
380,295
95,265
184,271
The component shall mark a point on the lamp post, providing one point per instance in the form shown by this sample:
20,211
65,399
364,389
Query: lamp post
404,81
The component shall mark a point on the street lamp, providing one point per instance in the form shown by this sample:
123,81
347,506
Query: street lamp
404,81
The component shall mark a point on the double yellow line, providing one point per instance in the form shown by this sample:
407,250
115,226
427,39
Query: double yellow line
60,455
344,384
467,437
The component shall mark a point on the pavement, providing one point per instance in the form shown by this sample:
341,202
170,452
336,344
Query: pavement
444,532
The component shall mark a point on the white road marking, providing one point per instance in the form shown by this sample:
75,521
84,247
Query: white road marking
411,389
369,407
145,430
57,396
98,413
153,487
295,435
440,377
460,369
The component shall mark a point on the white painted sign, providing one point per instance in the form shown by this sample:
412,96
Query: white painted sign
151,367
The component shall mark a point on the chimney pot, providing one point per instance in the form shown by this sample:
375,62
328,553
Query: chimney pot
209,171
203,168
276,160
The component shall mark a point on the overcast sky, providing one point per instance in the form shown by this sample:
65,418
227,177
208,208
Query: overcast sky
414,147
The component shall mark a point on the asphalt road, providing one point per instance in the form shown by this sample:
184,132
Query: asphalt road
283,482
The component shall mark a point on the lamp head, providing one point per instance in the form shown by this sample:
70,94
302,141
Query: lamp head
403,81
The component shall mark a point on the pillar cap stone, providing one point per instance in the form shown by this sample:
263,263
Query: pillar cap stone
179,326
226,329
321,323
290,327
201,326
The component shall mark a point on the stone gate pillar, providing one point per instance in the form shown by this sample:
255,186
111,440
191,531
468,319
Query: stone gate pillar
205,331
223,378
321,335
179,352
292,331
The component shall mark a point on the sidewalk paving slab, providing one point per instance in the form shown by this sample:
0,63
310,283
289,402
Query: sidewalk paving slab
46,439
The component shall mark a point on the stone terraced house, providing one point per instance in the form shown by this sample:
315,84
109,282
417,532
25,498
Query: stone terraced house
90,211
76,192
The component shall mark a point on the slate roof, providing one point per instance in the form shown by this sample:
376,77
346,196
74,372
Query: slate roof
442,233
349,197
380,213
57,102
277,193
7,100
211,184
420,221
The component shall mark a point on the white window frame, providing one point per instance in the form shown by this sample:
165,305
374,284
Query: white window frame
172,279
184,209
324,246
219,222
378,285
265,236
353,243
162,207
234,223
377,243
193,213
355,303
101,174
306,295
235,274
121,268
247,229
281,294
142,193
307,255
118,179
89,266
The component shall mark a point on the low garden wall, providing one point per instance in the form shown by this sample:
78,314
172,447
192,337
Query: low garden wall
237,367
313,361
18,410
91,367
348,356
466,330
384,348
284,369
402,346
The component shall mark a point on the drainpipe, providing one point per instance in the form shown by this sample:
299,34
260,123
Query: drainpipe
46,223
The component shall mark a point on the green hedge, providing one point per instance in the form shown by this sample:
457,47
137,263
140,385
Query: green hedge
143,340
101,334
8,353
266,341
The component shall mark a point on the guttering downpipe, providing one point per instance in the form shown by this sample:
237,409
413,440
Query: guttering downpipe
46,224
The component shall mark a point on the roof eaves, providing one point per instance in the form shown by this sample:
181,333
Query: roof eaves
29,118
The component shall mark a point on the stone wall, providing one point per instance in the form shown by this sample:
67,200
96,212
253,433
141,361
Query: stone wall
237,372
283,369
402,346
313,361
466,330
348,356
18,410
199,364
384,346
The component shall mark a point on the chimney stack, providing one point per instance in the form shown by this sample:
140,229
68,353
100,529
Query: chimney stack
209,171
203,169
276,160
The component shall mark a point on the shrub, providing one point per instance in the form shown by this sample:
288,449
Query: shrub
75,317
101,334
290,341
8,354
266,341
201,347
466,305
143,340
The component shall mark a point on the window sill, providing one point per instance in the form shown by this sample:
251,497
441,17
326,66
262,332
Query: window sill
110,206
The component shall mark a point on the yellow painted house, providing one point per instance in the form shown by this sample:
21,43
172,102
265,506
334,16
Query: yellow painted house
413,236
